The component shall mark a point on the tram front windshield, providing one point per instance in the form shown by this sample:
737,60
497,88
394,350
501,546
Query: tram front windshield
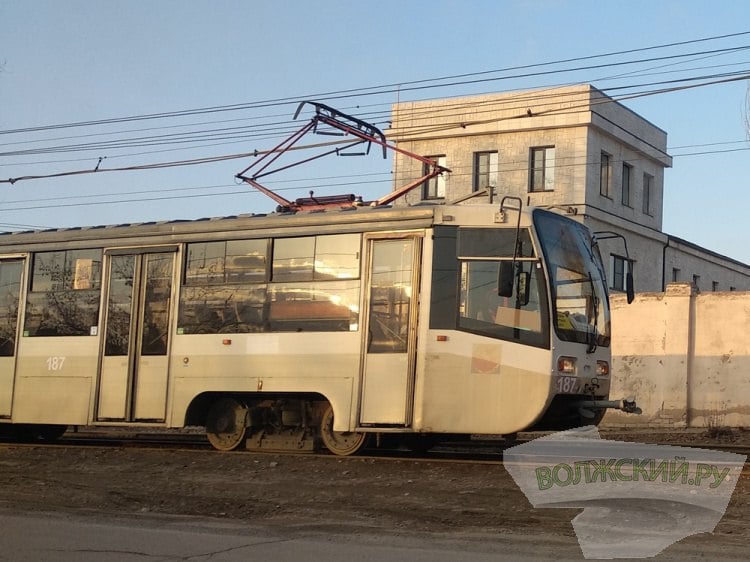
580,310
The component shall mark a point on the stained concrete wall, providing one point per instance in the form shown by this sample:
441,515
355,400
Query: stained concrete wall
684,355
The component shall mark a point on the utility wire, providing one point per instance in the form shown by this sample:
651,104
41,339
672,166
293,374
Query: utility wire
213,159
408,86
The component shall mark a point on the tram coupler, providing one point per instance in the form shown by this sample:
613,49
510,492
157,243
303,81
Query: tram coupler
627,405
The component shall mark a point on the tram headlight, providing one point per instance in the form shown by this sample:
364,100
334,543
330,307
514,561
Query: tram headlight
566,365
602,369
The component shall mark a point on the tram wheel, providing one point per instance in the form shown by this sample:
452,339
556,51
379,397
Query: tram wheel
342,443
226,424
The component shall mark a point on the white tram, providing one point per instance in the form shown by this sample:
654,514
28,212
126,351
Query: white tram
289,330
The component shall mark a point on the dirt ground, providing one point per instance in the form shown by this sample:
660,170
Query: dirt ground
310,492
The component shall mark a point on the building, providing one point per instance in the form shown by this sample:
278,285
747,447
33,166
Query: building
574,148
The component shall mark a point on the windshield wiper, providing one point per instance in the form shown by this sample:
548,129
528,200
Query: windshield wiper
592,335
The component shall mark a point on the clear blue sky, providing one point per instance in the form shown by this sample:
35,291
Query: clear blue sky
65,62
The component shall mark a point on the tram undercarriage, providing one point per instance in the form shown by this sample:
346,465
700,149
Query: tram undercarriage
283,424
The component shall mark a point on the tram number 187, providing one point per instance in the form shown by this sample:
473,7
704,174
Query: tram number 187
55,363
567,385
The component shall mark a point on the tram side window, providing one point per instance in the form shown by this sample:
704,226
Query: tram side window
64,295
316,258
509,318
10,288
331,306
225,287
522,317
315,283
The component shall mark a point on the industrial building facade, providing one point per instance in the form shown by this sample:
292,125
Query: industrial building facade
574,148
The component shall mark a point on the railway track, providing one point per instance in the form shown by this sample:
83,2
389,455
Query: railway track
477,451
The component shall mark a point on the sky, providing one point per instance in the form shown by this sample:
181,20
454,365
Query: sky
247,64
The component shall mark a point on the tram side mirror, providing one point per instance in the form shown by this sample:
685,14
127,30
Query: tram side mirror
524,286
505,279
629,290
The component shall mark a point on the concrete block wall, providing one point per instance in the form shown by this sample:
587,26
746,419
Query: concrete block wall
684,356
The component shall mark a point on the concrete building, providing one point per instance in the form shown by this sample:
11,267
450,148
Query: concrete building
571,147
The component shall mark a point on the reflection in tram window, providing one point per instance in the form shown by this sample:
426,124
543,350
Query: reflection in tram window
318,258
158,290
390,296
314,286
122,269
232,261
331,306
64,297
10,288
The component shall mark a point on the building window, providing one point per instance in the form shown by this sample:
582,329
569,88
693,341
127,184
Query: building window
626,174
714,286
434,188
696,280
732,288
675,275
620,267
648,182
485,170
605,174
542,169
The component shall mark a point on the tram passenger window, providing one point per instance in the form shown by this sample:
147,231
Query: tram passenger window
224,309
10,288
330,306
232,261
64,296
224,290
315,285
325,257
337,257
293,259
246,261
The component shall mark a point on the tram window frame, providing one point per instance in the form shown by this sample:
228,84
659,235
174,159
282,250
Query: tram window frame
511,319
216,299
522,322
330,280
64,295
303,258
454,249
310,283
224,271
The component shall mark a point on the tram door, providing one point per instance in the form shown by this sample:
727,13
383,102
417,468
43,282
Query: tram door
390,331
11,273
135,359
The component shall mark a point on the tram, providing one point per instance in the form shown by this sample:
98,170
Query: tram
298,329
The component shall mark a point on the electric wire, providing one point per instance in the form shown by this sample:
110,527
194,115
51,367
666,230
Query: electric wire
411,85
198,138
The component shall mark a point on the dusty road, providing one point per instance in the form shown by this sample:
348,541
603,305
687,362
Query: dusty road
354,497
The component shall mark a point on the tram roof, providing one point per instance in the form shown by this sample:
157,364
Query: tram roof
307,223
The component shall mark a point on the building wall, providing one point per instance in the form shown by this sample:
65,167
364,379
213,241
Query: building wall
620,153
580,122
685,356
513,164
716,273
